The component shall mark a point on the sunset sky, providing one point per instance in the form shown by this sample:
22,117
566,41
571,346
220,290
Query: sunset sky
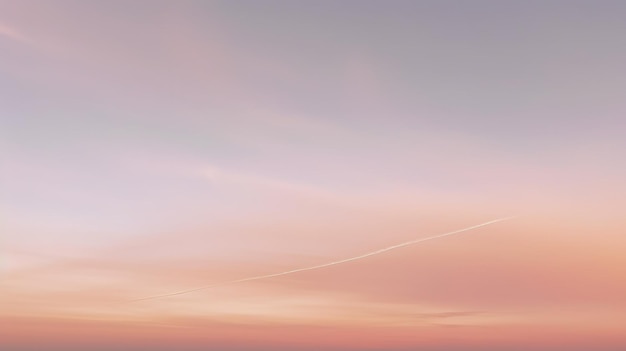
149,147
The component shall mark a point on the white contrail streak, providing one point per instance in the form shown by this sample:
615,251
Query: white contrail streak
372,253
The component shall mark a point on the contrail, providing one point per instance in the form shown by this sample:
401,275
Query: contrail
365,255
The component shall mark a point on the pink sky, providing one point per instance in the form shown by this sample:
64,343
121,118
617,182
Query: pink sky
150,147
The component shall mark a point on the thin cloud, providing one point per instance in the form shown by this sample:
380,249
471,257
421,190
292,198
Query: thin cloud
13,34
333,263
450,314
222,176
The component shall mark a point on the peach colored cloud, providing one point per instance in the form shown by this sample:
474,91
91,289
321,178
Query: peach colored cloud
519,271
205,334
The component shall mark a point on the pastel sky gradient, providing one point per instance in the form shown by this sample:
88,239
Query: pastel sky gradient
152,146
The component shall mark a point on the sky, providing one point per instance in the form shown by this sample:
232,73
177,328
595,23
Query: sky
149,147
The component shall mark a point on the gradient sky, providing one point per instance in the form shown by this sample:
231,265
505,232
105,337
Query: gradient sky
152,146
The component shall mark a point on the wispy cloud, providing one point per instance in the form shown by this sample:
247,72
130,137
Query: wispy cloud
333,263
12,34
225,177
